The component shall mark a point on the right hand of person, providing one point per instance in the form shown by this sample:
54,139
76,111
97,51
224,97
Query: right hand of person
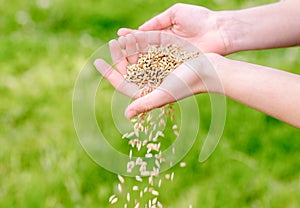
196,24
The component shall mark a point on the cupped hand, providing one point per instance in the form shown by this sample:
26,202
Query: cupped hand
192,77
196,24
195,76
125,50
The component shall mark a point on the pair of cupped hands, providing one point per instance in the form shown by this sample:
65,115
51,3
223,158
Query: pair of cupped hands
193,28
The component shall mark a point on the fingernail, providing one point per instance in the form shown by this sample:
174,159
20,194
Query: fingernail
120,32
96,62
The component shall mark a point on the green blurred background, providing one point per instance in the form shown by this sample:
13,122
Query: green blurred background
45,43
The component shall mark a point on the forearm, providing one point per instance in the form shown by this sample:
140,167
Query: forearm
270,26
274,92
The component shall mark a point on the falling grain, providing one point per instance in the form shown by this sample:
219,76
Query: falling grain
121,179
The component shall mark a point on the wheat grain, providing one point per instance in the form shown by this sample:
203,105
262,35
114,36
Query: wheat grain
148,73
182,164
120,188
121,179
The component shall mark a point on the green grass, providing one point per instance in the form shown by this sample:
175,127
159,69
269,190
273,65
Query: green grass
41,161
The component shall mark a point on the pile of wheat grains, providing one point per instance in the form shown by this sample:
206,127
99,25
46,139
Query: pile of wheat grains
148,129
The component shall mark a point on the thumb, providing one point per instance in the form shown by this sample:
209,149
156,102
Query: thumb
155,99
158,22
174,87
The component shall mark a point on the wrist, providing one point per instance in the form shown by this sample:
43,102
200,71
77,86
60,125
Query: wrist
214,73
231,30
256,28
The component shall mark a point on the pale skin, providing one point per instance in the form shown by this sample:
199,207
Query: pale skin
272,91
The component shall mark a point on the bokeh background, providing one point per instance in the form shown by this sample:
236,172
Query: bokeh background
43,46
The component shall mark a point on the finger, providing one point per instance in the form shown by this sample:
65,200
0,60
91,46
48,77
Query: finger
122,42
158,22
141,39
116,79
126,31
167,38
155,99
118,57
153,38
131,49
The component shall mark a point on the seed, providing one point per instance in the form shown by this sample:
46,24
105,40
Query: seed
137,205
139,146
114,200
149,203
182,164
141,194
159,183
128,197
138,178
157,163
154,192
143,168
131,142
124,135
148,73
159,155
146,129
119,188
138,161
150,180
172,176
133,120
149,118
162,122
148,155
145,173
155,172
159,133
130,135
130,166
136,132
145,142
154,200
121,179
158,147
154,127
111,198
130,154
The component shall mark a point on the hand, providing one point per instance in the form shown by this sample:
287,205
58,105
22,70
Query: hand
192,77
125,51
195,24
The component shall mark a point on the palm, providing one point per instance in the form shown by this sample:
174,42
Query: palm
125,51
197,25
